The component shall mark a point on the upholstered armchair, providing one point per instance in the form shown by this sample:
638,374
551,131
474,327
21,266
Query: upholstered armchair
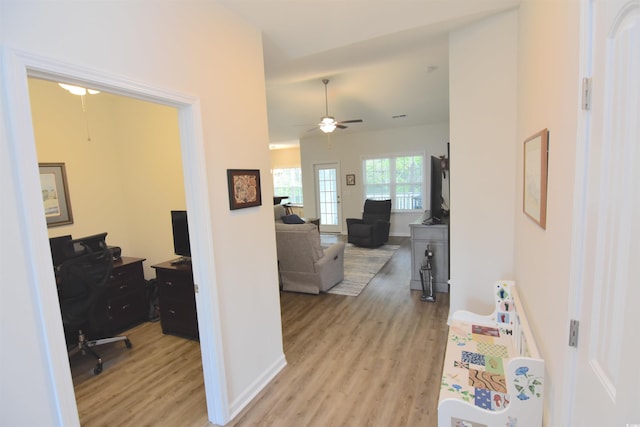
303,265
373,229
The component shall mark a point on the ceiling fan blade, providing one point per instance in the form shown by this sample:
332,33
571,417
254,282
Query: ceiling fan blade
351,121
339,126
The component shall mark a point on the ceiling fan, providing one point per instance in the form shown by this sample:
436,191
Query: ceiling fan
327,123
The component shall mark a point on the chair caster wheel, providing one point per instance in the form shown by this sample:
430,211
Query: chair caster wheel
97,370
127,343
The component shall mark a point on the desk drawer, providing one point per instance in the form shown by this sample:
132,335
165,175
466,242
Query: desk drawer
127,272
179,317
126,279
127,310
176,290
175,285
177,299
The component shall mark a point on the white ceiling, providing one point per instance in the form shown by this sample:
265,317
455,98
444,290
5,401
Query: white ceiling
383,58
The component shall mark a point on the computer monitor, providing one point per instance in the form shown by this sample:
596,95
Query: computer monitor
436,190
181,244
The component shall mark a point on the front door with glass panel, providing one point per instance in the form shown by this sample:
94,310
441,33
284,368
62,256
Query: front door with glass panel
328,197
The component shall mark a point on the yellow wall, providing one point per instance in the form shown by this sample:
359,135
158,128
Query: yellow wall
285,158
126,179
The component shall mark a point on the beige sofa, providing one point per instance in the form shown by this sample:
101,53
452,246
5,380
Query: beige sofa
303,265
278,212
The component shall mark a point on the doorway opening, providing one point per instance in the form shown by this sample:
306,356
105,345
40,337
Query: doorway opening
124,176
19,66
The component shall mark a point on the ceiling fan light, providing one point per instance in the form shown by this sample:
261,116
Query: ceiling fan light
327,124
77,90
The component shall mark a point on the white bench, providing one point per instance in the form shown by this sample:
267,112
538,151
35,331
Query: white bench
493,374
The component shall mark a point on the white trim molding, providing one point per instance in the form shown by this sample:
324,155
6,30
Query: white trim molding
17,66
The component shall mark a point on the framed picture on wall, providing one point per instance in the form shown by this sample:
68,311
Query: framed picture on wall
55,194
244,188
534,203
351,179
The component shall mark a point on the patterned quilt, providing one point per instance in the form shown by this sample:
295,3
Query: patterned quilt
474,368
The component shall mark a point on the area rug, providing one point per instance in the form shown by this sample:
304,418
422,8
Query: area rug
360,266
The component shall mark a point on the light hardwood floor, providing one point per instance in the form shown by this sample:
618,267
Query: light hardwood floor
158,382
371,360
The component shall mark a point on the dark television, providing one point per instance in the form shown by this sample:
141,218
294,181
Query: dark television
436,190
181,245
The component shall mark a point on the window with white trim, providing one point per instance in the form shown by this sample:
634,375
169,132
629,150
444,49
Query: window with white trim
288,182
396,177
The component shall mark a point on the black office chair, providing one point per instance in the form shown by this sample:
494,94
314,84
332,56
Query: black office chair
373,229
82,284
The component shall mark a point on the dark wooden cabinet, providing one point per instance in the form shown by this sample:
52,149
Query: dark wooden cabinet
126,294
177,299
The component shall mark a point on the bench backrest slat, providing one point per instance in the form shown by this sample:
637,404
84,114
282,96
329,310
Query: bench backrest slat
512,319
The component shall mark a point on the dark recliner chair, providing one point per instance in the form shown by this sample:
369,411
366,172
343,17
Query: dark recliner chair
373,229
83,277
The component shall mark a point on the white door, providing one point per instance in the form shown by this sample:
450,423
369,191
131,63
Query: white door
328,197
607,370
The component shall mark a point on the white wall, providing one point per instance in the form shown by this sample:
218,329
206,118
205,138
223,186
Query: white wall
549,97
485,245
483,158
23,374
349,149
197,48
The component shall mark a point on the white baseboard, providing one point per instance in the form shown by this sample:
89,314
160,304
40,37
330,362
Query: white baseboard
256,387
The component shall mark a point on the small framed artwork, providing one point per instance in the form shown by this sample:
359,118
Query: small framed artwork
351,179
55,194
534,203
244,188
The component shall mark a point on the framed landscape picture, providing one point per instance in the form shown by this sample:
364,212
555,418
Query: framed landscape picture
244,188
55,194
351,179
534,203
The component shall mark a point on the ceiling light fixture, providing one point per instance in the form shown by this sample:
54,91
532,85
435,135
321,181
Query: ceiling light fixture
81,92
327,124
77,90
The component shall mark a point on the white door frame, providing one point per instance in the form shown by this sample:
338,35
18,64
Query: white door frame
17,66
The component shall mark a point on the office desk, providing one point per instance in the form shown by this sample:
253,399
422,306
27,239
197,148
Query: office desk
176,291
127,294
